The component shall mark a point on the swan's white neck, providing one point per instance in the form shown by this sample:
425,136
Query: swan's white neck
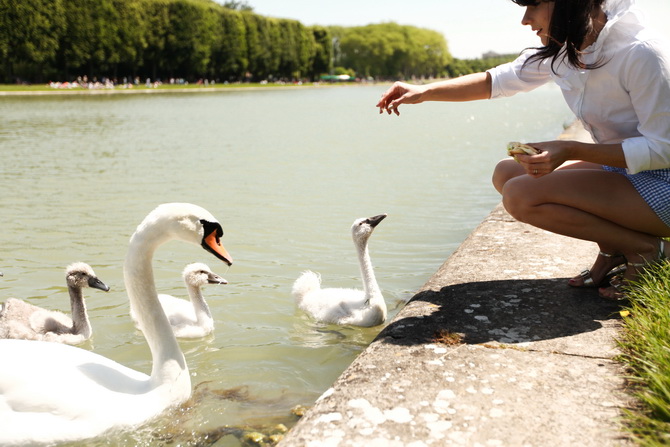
372,291
168,360
80,323
200,307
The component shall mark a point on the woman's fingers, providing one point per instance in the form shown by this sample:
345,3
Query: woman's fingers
535,165
392,98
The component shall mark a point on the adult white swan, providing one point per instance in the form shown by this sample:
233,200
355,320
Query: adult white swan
346,306
192,318
50,392
22,320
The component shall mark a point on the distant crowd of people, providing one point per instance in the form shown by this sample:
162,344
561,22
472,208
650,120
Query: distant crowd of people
82,82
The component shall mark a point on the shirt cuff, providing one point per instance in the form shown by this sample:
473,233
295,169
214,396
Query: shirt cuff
496,91
636,152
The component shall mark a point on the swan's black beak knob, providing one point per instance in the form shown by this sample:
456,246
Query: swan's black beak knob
211,241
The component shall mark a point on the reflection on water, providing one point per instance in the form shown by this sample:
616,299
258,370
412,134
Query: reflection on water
286,172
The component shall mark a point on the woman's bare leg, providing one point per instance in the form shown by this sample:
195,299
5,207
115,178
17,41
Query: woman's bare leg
508,169
588,204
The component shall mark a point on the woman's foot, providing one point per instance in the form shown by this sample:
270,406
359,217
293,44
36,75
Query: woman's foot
598,274
616,290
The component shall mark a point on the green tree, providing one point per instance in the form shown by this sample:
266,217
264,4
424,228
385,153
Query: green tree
155,31
132,36
263,54
29,35
321,62
429,53
296,49
189,38
460,67
239,6
200,38
90,44
368,50
390,50
230,50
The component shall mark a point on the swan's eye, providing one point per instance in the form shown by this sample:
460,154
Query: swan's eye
210,227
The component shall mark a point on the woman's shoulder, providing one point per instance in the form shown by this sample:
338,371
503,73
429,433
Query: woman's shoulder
637,43
641,59
649,47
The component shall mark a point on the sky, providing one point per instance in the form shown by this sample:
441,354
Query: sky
471,27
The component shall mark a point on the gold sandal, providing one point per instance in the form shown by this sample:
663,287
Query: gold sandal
619,284
587,280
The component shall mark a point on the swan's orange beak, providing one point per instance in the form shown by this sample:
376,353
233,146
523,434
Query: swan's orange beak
212,243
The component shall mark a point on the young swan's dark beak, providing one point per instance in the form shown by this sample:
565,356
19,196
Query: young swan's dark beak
374,221
213,278
97,284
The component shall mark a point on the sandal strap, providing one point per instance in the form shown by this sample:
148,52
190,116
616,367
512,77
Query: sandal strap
585,275
617,285
608,255
661,250
659,257
637,264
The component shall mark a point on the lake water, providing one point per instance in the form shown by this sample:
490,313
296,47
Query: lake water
286,172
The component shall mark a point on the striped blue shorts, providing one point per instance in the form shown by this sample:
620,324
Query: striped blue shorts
653,186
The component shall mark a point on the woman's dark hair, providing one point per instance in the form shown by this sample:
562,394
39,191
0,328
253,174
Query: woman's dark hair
570,24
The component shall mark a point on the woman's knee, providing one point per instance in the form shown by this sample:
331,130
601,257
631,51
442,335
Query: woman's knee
517,198
504,171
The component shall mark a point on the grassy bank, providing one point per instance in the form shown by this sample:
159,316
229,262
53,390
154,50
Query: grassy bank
645,342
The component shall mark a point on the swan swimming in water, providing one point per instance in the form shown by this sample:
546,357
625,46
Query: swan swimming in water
346,306
55,393
190,319
22,320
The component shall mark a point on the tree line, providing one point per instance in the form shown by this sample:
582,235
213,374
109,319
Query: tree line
460,67
43,40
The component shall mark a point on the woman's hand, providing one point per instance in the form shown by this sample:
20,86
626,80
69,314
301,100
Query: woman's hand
399,93
553,154
464,88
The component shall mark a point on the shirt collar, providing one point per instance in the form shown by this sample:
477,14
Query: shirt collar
624,12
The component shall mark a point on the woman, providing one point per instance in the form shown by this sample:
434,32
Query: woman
615,76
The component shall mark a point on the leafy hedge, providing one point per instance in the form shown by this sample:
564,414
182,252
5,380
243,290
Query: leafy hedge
59,40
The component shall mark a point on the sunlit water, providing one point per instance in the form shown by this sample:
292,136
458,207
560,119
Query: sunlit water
286,172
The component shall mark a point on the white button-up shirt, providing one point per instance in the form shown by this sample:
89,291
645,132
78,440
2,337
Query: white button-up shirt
626,100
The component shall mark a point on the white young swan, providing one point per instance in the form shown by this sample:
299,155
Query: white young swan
346,306
51,392
22,320
190,319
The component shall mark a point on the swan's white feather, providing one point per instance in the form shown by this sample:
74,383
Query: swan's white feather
190,318
179,311
182,318
55,412
342,305
338,305
55,393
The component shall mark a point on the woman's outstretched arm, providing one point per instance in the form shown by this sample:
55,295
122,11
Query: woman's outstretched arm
465,88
